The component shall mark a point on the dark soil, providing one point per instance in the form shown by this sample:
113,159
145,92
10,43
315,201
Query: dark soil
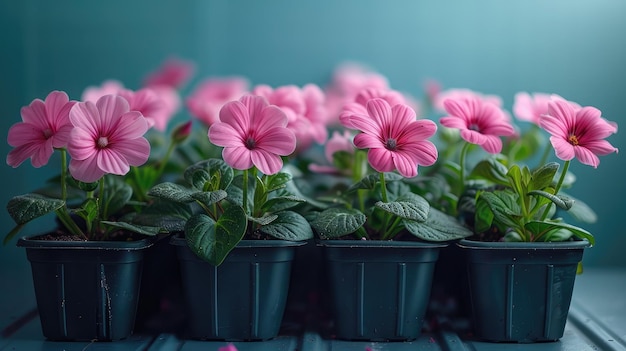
59,235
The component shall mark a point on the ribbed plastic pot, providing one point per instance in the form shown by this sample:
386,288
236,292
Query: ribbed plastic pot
86,290
521,292
379,289
242,299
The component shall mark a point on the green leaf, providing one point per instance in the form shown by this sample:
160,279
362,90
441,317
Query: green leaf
24,208
437,227
516,181
212,241
581,211
561,201
504,206
140,229
289,226
169,216
260,193
117,193
280,203
541,228
173,192
483,216
81,185
409,206
10,235
266,219
543,176
337,222
492,170
370,181
277,181
88,210
209,198
343,159
207,171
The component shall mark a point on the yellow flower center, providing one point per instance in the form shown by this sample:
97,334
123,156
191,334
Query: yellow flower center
573,140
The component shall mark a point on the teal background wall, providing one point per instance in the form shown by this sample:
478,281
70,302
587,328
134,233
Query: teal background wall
576,48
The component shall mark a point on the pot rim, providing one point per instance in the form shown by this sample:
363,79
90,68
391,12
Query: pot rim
379,244
177,240
551,245
30,243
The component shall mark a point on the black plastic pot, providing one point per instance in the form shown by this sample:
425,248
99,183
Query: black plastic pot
86,290
521,292
244,298
379,289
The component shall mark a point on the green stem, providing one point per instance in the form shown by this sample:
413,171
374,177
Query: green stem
557,188
63,174
161,164
358,173
545,155
383,193
464,151
245,191
101,210
383,187
63,213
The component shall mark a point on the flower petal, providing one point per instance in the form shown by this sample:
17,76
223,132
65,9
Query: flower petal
563,149
235,114
267,162
586,156
405,164
110,161
380,159
222,134
85,170
237,157
279,141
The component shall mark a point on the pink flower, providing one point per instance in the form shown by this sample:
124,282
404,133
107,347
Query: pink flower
347,81
360,101
107,138
458,94
44,126
173,73
171,103
480,122
229,347
530,107
253,133
304,108
157,104
315,112
578,132
394,137
338,142
207,99
93,93
150,104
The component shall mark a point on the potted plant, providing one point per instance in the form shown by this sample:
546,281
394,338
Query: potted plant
236,225
381,239
523,257
87,270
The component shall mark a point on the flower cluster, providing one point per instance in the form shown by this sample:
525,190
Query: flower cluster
500,196
105,138
355,159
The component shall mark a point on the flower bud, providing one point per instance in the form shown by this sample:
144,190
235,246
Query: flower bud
181,132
